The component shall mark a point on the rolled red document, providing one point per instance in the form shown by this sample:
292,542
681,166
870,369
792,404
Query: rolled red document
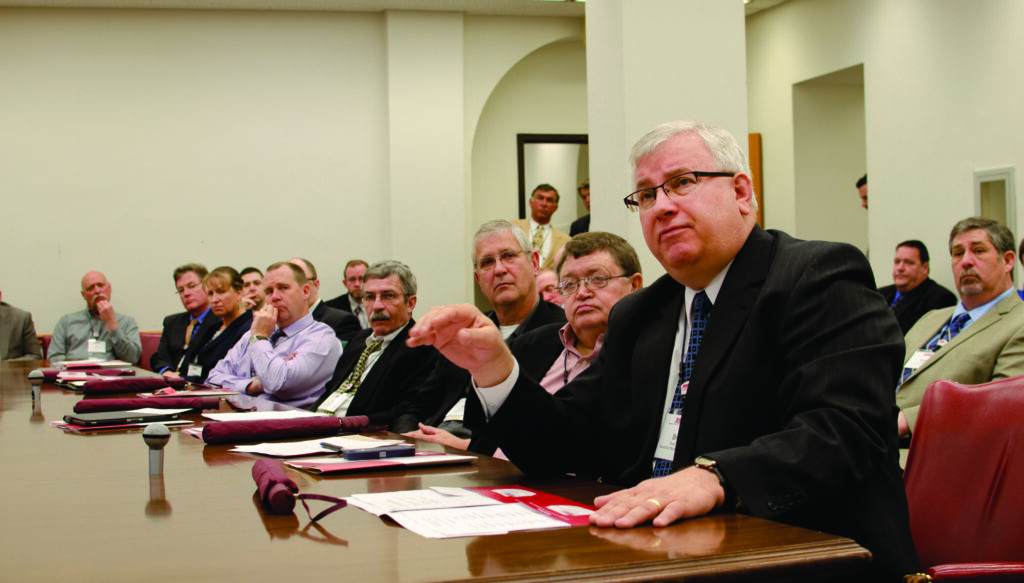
277,490
270,429
99,405
130,385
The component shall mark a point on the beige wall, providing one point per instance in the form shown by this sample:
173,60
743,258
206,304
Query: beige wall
942,95
136,140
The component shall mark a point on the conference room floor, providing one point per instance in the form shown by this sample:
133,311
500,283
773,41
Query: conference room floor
82,507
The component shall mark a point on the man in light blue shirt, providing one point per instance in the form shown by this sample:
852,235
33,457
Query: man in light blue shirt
287,356
980,339
97,331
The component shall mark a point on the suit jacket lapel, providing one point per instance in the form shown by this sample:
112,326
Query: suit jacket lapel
731,310
362,398
991,317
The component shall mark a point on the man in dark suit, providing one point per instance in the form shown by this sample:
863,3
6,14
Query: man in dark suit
195,326
505,268
582,224
18,339
352,302
778,404
378,373
345,325
913,294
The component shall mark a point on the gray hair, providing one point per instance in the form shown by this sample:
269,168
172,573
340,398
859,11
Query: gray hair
1001,237
500,226
720,142
385,269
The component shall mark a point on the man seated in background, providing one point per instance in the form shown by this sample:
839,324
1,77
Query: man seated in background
547,284
597,271
582,224
97,331
379,373
195,326
286,356
979,340
505,267
18,339
351,302
913,294
345,325
252,288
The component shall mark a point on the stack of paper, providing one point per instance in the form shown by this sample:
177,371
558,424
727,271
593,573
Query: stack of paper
454,512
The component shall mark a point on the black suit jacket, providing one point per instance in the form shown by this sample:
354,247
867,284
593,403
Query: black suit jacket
580,225
792,394
919,301
344,324
449,383
394,380
209,354
340,303
172,340
537,351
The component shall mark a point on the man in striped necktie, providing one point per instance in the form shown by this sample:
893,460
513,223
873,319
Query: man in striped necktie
978,340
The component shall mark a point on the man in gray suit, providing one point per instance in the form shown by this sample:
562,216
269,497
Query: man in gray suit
982,337
17,334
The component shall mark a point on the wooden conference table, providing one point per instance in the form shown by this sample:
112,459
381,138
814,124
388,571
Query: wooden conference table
82,507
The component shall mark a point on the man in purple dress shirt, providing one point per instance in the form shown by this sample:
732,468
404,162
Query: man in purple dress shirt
286,356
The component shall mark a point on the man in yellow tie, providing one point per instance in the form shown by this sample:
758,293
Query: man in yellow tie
378,373
544,237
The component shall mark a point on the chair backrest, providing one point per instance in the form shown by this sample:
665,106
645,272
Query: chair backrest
150,341
44,341
965,473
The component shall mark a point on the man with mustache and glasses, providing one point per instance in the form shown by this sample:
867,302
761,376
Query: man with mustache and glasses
378,373
980,339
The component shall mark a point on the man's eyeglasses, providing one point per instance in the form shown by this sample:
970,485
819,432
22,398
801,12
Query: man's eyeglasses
680,185
388,297
569,287
487,262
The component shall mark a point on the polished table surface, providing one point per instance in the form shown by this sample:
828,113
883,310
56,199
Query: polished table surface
82,507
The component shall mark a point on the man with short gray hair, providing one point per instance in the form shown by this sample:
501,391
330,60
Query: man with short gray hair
378,374
97,331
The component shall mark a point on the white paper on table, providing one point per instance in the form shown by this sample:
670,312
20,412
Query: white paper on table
260,415
474,521
386,502
312,446
156,410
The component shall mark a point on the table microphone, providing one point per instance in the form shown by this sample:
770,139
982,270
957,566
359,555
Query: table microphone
156,437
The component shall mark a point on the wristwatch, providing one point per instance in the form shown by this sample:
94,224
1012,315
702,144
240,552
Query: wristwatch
704,463
255,339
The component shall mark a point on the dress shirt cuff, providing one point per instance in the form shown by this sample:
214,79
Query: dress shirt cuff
493,397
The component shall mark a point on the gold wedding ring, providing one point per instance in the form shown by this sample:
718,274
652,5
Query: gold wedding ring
656,503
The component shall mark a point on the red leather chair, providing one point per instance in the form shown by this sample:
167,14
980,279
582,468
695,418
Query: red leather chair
965,481
150,341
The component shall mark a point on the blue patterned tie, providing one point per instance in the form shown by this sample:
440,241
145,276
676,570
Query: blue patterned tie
948,333
701,311
276,337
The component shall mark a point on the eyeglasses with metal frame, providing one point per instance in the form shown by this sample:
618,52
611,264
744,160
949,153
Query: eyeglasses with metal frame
487,262
679,185
568,287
